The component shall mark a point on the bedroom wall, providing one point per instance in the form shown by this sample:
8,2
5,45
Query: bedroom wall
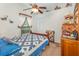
51,21
40,23
11,9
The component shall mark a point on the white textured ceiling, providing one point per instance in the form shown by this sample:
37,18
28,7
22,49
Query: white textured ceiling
50,6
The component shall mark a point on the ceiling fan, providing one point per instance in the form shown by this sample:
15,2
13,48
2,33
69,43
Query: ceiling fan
35,8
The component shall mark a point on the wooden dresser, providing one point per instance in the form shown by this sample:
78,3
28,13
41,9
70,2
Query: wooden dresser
69,47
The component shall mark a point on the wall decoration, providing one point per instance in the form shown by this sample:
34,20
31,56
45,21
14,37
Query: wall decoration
68,4
10,21
25,15
69,19
4,18
57,7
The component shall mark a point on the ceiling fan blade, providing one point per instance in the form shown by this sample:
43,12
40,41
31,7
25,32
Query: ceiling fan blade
32,12
27,9
42,7
40,11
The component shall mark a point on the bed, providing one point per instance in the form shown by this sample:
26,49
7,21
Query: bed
8,48
26,45
32,44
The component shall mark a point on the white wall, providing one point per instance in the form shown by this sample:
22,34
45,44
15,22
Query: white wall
12,10
40,23
51,21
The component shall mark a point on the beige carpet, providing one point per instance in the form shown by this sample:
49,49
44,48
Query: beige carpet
52,50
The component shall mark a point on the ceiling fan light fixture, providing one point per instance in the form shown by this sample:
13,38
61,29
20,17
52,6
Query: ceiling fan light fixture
35,10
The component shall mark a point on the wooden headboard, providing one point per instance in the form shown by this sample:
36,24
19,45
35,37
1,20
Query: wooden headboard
39,34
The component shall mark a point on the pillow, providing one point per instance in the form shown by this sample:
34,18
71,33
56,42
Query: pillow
2,42
9,50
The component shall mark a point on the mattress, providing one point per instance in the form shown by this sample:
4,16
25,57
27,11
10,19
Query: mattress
32,44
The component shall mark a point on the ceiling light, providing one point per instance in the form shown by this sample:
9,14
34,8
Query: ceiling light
35,10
